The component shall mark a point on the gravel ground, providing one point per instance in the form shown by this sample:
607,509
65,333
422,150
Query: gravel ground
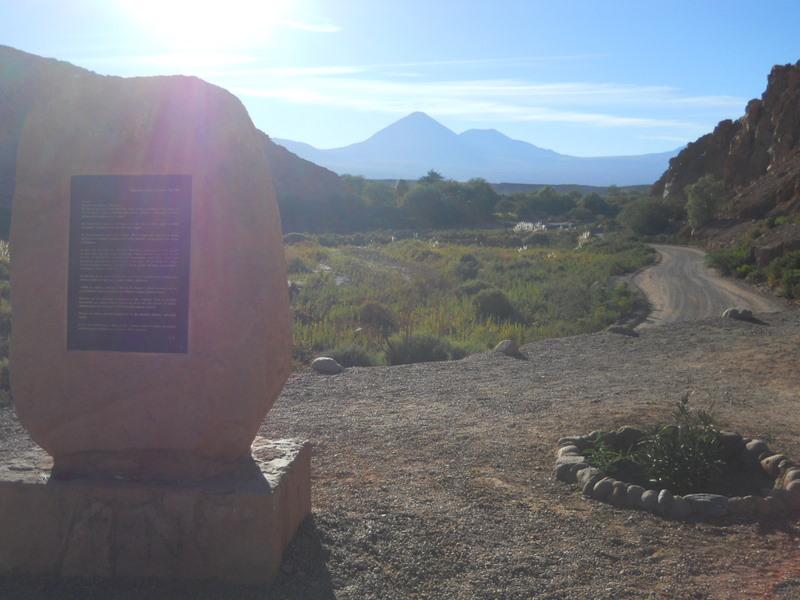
435,480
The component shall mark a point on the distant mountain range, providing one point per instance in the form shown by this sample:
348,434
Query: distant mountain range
408,148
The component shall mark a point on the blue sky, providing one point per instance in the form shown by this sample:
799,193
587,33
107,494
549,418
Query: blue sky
583,78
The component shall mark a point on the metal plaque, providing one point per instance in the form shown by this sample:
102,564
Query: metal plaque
129,246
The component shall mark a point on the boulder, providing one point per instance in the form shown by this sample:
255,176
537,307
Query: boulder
738,313
793,494
680,508
325,365
772,464
619,494
194,411
649,501
622,330
635,495
603,488
509,348
664,502
568,451
707,505
755,448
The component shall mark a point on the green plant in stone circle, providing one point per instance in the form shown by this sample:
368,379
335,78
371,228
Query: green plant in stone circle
686,456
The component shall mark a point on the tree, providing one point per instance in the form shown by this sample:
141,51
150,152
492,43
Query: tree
705,196
400,188
425,206
431,177
645,216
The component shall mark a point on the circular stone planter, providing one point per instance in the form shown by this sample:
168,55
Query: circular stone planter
782,498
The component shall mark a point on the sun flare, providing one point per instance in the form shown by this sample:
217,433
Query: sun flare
207,24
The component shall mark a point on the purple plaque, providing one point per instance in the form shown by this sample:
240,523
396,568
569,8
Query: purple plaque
129,243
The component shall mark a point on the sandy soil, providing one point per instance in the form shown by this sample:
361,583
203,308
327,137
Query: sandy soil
435,480
681,288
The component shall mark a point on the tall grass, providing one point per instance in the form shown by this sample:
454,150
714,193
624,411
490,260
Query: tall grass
554,290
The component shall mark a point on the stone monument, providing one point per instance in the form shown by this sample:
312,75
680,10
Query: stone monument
151,335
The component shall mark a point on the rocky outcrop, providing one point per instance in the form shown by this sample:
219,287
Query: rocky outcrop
757,156
311,198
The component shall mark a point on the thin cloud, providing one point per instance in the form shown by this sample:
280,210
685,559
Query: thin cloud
312,27
595,104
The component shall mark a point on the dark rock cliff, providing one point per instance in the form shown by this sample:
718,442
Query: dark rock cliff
757,156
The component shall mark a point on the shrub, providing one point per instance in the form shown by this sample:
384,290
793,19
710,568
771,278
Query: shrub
296,238
470,288
351,356
297,265
493,304
728,261
467,267
404,350
687,456
377,317
705,196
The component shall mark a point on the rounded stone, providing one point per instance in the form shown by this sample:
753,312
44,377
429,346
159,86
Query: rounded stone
792,474
680,508
568,451
603,488
664,502
571,440
585,474
198,410
708,505
756,448
509,348
588,486
619,494
736,505
635,495
763,506
325,365
749,505
738,313
649,501
793,494
771,464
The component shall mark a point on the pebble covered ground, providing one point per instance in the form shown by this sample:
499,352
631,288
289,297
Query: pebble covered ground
436,480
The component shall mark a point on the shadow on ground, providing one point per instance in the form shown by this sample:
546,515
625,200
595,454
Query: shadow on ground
304,574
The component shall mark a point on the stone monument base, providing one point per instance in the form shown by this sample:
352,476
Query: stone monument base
233,530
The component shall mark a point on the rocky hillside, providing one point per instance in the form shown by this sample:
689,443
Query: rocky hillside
309,196
757,156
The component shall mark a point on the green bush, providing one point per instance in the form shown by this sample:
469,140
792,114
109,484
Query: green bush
378,318
351,356
493,304
404,350
686,456
728,261
467,267
296,238
297,265
785,273
470,288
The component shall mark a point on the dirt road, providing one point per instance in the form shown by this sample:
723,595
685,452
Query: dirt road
681,288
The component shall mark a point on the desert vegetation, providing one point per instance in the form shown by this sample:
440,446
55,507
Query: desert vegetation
379,299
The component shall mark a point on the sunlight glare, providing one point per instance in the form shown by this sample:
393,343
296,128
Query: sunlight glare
207,24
